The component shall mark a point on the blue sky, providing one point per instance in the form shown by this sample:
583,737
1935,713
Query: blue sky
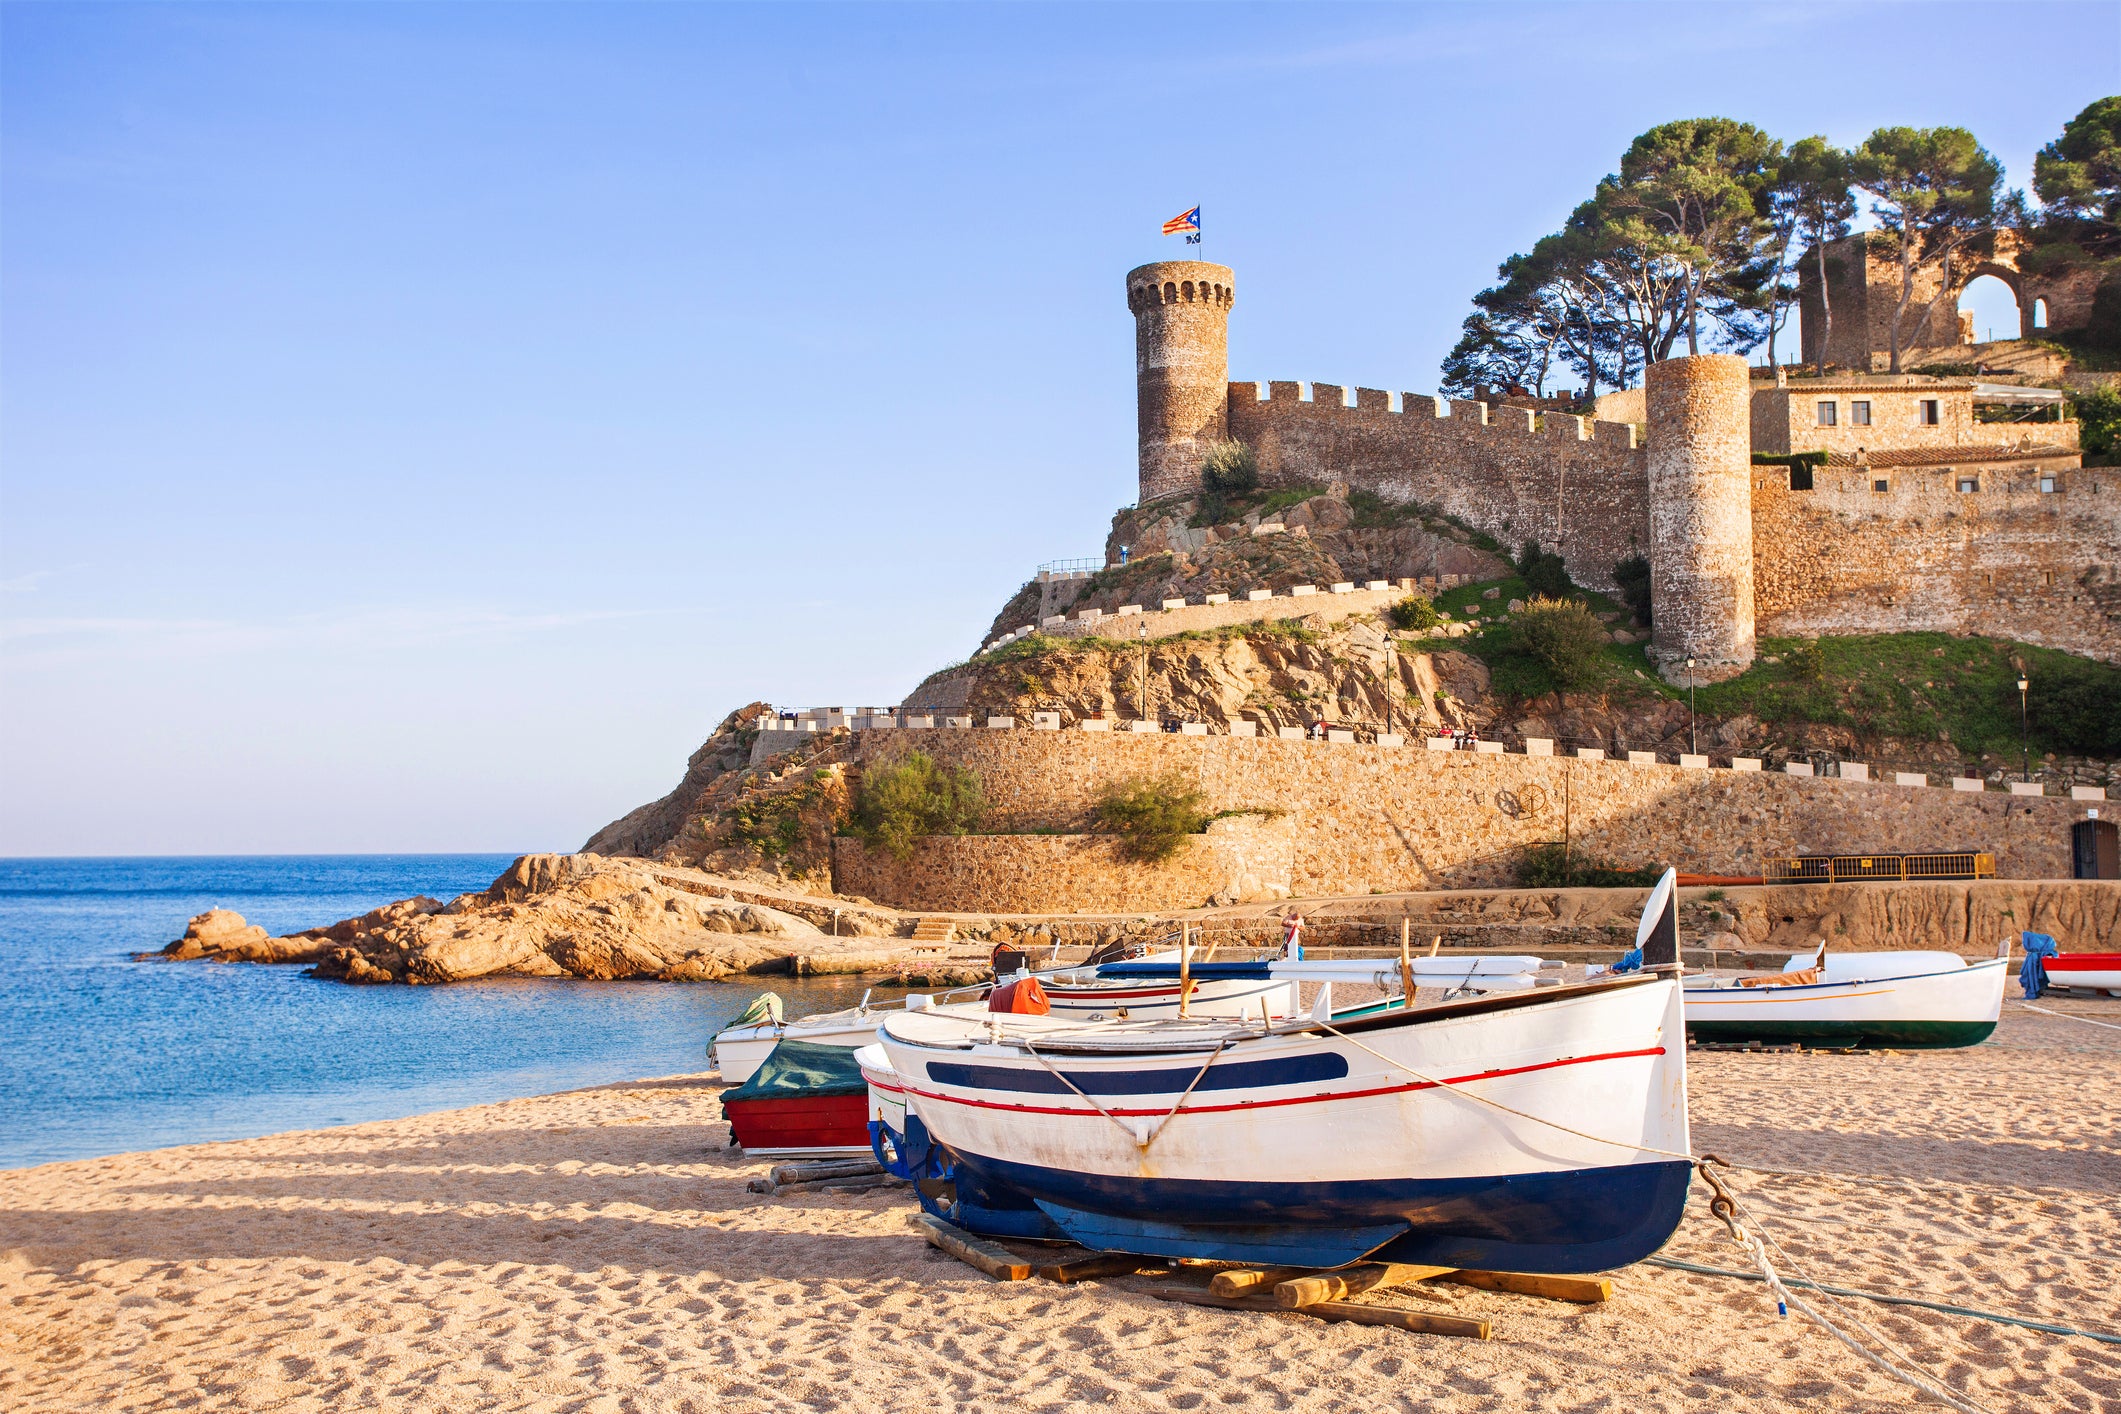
420,424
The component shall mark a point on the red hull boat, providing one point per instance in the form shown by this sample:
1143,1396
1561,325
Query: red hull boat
805,1100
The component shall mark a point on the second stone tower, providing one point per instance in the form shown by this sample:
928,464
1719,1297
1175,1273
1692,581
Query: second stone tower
1181,368
1701,517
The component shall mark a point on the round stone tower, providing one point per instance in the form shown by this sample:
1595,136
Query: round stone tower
1701,516
1181,368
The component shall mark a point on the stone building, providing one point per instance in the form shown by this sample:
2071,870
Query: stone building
1925,519
1863,289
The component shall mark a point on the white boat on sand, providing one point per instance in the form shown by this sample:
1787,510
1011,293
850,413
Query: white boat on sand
1077,994
1539,1130
1913,999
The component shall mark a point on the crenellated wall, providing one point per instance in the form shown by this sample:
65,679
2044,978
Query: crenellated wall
1570,483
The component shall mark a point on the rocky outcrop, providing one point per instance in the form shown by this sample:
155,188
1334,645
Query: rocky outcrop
641,831
549,915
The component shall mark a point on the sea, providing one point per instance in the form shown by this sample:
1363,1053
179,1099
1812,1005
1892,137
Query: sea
101,1053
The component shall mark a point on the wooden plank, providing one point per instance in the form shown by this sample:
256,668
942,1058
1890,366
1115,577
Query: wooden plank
996,1262
1244,1280
1392,1316
1096,1264
853,1183
1349,1281
1585,1291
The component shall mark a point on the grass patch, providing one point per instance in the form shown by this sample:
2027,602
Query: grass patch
1516,671
1543,867
1932,687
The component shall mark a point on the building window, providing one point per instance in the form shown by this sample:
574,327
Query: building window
1929,412
1800,476
1881,485
1860,414
2049,485
1826,414
2047,579
1969,483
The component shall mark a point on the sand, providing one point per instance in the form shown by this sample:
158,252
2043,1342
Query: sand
598,1251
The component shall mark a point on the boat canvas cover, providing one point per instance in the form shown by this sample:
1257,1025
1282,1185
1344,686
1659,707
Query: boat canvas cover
802,1068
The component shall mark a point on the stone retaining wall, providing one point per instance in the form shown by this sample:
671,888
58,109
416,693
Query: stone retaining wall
1355,818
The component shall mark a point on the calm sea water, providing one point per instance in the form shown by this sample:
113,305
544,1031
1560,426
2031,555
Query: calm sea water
100,1054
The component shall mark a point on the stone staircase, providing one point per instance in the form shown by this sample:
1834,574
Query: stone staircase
934,935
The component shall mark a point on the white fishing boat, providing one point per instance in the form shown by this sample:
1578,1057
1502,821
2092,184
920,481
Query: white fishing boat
1924,999
1539,1129
1078,994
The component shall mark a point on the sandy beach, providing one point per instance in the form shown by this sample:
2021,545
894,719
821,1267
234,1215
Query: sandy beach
598,1251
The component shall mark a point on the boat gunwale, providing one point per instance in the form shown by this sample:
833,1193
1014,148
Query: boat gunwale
1443,1011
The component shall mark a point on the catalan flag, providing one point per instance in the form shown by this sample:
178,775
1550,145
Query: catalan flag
1184,221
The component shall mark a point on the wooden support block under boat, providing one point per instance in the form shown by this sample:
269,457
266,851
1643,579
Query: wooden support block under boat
1392,1316
852,1183
1244,1280
828,1168
1098,1264
996,1262
1349,1281
1585,1291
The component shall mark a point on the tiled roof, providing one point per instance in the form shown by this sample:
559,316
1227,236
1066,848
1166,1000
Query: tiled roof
1957,456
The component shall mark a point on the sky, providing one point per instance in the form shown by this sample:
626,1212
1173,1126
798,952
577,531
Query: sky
421,424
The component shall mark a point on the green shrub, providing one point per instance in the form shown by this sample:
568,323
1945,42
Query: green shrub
1564,637
2075,705
906,799
1229,469
1807,661
1543,573
1414,613
1633,576
1152,816
2099,420
1542,867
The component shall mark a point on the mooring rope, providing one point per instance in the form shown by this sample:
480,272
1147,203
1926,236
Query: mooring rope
1726,1208
1888,1299
2067,1017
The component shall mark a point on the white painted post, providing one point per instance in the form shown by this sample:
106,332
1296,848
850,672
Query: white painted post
1538,746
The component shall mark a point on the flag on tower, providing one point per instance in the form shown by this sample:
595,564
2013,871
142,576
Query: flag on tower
1184,221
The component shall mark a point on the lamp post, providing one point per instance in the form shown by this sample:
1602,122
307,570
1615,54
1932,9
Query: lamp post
2025,733
1692,746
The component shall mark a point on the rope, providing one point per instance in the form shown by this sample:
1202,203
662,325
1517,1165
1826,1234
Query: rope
2067,1017
1141,1141
1726,1207
1888,1299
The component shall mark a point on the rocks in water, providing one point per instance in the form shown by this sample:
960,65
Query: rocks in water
221,935
548,915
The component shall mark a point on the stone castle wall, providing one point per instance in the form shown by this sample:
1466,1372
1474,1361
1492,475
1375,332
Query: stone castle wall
2006,561
1576,486
1350,819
